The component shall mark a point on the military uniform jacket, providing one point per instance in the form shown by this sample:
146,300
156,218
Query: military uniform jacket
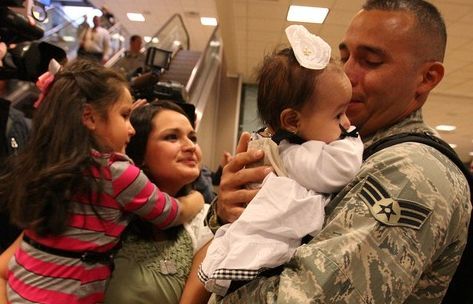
395,234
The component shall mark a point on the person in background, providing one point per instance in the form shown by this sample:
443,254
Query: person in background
153,265
95,43
107,18
82,27
396,232
133,59
74,191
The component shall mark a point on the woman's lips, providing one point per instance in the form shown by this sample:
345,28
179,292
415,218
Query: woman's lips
189,161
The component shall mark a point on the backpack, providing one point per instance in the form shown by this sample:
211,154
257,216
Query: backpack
17,131
459,290
15,138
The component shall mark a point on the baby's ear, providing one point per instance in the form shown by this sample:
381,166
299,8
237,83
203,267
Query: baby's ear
289,120
88,117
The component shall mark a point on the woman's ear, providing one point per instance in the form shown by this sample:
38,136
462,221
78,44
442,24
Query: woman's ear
89,117
289,120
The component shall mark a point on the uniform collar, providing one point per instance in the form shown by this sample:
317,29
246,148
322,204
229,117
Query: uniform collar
412,123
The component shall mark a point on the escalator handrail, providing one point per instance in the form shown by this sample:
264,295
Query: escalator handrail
198,67
179,17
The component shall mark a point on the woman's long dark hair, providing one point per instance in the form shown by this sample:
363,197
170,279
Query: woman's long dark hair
41,180
142,121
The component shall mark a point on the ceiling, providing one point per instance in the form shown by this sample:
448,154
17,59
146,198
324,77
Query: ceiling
253,28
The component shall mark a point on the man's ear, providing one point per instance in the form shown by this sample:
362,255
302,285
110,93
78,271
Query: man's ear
289,120
432,74
89,117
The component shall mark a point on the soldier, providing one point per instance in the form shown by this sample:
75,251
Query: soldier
396,233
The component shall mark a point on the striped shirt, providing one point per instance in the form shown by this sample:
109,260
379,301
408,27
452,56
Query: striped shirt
36,276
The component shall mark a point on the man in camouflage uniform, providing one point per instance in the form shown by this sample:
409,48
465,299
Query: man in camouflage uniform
396,233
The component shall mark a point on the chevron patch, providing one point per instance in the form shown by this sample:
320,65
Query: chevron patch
391,211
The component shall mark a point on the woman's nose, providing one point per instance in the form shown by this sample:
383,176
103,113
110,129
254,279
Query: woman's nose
189,145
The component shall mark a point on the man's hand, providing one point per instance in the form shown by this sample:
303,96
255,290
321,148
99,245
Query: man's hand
233,196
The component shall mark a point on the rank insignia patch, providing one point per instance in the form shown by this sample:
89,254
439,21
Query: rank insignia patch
391,211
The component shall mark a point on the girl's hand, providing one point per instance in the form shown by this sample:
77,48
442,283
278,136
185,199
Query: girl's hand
139,103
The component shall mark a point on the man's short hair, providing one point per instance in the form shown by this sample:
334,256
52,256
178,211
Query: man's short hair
430,22
133,38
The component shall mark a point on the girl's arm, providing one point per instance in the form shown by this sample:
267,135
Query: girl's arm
191,204
194,291
4,260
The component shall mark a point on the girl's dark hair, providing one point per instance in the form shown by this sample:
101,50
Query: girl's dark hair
43,178
283,83
142,121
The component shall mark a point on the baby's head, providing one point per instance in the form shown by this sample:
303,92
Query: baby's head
308,102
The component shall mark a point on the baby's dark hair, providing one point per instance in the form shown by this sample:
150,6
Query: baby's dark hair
283,83
42,179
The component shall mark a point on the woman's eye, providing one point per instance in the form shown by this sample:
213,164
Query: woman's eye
193,138
170,137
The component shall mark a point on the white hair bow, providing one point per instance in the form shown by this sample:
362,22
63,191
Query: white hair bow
311,51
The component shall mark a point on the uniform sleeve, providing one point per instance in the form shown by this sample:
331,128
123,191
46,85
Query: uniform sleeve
394,235
324,168
136,194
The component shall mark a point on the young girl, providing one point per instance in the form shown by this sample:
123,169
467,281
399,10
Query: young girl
73,191
302,98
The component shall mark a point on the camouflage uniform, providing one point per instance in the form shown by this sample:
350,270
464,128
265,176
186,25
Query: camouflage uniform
395,234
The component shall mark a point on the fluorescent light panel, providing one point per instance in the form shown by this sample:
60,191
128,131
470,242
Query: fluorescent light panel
445,128
135,17
309,14
208,21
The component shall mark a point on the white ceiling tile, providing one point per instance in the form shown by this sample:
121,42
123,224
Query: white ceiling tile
453,12
240,9
265,24
263,9
339,17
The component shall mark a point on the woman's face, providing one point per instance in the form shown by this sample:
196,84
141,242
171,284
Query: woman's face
172,154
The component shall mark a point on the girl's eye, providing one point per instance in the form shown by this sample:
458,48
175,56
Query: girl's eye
126,114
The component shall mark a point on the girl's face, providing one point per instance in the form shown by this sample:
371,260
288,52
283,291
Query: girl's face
172,154
113,132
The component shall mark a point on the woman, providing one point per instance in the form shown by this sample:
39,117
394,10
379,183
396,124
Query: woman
153,266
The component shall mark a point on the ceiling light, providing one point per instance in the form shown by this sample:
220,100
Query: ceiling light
68,38
147,38
135,17
208,21
310,14
471,153
445,128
